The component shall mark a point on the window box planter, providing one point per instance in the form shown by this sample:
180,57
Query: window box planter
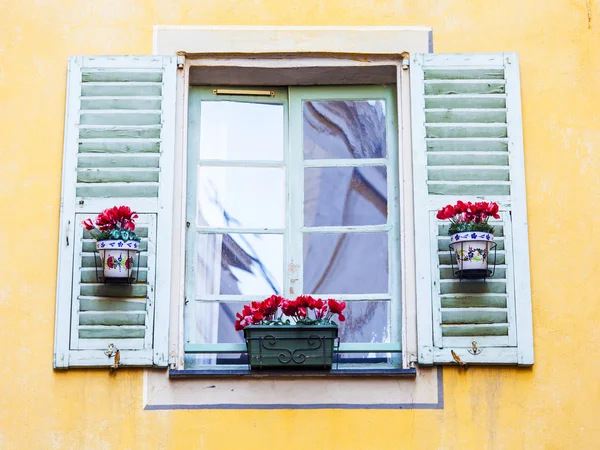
471,251
294,347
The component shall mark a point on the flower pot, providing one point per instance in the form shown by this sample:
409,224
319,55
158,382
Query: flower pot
117,257
291,347
471,252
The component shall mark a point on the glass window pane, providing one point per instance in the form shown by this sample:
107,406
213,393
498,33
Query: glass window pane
338,196
241,197
247,264
241,131
344,129
215,323
346,263
366,321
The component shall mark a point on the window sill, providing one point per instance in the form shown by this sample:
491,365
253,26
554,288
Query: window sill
354,372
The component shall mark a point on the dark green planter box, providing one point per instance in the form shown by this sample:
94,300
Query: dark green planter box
291,347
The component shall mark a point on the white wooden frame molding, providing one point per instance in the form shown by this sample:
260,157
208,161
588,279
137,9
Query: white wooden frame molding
315,47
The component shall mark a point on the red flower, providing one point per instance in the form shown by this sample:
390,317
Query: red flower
87,223
336,307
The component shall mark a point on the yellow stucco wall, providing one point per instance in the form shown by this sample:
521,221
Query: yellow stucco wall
555,405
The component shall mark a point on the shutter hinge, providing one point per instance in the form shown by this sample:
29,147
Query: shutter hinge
405,63
180,61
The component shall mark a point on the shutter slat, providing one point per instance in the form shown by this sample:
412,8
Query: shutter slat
468,173
452,87
121,89
475,158
99,160
104,75
125,175
121,103
466,101
117,190
462,115
112,317
475,330
116,117
125,131
111,304
116,332
466,129
470,144
473,300
461,73
119,145
457,316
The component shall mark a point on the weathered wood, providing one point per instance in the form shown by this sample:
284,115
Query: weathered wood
112,317
99,160
468,173
451,87
486,300
112,75
475,330
466,130
113,290
462,73
465,115
99,331
121,89
468,144
121,103
125,131
112,175
87,303
490,285
117,190
466,101
117,117
478,158
101,145
474,316
462,188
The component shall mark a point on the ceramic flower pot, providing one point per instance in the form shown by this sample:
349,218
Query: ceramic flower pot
117,257
471,252
292,347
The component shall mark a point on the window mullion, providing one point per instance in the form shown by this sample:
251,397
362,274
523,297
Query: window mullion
295,197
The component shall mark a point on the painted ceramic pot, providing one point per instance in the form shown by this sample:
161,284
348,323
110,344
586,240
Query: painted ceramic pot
117,257
471,251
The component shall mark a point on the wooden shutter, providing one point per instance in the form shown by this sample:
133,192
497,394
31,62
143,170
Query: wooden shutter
119,136
468,145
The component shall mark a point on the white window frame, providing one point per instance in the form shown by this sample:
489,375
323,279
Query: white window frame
341,47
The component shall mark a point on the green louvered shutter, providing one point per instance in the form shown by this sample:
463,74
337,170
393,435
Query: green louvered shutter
468,145
119,142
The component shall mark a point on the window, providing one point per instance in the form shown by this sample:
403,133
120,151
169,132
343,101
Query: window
289,193
460,134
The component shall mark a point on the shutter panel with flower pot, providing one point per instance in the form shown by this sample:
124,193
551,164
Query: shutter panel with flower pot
468,145
119,136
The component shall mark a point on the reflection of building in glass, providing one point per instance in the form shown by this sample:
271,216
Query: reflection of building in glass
352,263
